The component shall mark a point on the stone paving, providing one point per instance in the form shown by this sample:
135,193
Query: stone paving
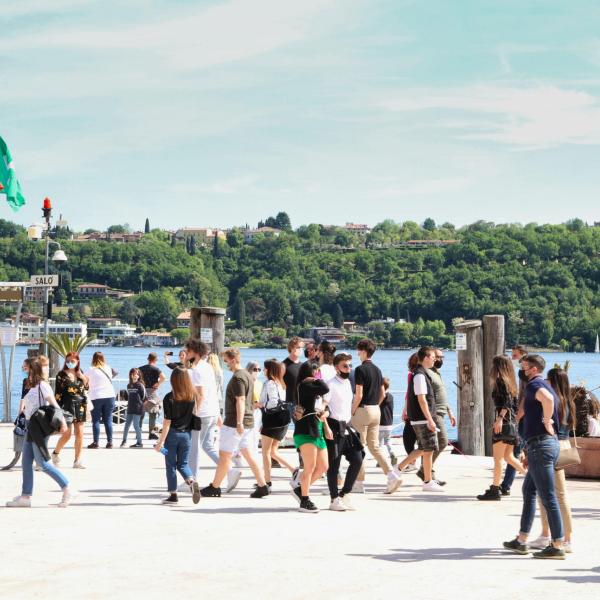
117,540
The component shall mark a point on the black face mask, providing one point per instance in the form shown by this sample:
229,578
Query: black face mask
438,363
192,359
522,375
306,352
344,374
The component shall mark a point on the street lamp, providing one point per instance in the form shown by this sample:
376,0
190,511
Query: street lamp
37,232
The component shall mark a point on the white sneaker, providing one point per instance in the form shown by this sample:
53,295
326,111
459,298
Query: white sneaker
295,481
432,486
540,543
183,487
67,497
37,467
409,468
358,487
337,505
347,503
567,547
233,478
19,502
78,465
55,459
394,482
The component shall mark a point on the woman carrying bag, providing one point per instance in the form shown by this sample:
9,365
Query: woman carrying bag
504,432
70,393
176,434
40,394
559,380
275,417
102,395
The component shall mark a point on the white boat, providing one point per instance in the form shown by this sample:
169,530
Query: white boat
597,348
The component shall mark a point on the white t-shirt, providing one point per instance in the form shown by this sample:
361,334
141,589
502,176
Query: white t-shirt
271,394
203,375
37,396
593,427
420,384
340,399
327,372
100,382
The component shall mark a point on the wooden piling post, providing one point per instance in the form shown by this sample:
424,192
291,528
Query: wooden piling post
208,324
470,393
493,344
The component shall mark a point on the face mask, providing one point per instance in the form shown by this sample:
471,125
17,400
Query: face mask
192,360
438,363
71,365
522,375
307,352
516,363
344,374
25,370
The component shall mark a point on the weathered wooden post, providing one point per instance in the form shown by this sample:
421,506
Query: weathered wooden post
469,341
493,344
208,324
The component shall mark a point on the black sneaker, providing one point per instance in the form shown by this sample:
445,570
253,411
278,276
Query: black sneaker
505,491
420,474
152,436
172,499
136,445
275,464
93,446
307,506
269,485
211,491
260,492
297,494
492,493
109,445
516,546
550,552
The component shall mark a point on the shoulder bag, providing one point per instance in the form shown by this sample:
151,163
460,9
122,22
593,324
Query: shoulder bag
568,457
276,417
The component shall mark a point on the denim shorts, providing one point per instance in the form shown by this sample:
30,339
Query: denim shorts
426,439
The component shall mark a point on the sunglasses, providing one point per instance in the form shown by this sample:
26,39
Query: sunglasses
257,370
346,366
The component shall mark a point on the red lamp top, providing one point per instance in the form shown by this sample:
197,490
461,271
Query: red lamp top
47,203
1,187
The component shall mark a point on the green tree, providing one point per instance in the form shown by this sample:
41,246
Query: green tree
282,221
338,316
119,228
159,309
241,312
147,226
429,224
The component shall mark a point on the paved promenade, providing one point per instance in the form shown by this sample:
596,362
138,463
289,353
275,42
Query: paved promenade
117,541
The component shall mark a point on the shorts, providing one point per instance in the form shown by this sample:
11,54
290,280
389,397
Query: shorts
319,442
276,433
231,441
426,439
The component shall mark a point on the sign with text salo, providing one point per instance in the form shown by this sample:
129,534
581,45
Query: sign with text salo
461,341
44,281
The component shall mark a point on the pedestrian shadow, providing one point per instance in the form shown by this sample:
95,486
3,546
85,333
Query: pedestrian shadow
425,497
238,510
409,555
585,513
575,578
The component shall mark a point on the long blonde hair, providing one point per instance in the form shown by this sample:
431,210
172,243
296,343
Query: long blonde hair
215,363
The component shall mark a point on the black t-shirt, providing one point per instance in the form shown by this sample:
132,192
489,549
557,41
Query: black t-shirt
290,379
180,413
174,365
369,376
387,410
135,398
150,375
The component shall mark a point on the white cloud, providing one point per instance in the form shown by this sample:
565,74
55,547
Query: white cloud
235,30
429,187
530,117
233,185
29,8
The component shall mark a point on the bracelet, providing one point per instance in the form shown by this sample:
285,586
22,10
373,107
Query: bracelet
548,420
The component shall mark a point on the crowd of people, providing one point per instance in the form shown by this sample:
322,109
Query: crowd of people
338,412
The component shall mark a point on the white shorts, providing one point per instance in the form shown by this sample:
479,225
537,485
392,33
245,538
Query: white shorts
231,440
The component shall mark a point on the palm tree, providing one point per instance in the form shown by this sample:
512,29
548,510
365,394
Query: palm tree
63,344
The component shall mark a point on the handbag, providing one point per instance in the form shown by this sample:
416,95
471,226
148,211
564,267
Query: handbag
568,457
276,417
509,431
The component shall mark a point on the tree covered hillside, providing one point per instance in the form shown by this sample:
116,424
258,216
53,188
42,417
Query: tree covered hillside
544,278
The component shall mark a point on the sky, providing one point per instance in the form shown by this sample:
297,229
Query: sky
221,113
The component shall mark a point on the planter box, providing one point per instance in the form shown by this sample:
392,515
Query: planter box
589,451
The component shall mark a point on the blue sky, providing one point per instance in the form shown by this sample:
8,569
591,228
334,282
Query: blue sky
219,113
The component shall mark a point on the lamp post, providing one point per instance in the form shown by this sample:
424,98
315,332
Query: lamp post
36,232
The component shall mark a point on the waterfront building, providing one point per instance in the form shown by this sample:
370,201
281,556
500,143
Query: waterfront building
183,319
32,331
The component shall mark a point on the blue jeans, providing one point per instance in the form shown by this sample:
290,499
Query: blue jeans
177,445
510,473
102,411
137,425
205,440
31,452
542,456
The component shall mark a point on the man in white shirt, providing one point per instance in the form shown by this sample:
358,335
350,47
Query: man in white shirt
345,442
203,379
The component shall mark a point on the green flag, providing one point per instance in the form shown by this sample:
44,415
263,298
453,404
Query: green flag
9,184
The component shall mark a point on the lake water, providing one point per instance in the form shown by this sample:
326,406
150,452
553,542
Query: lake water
584,369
